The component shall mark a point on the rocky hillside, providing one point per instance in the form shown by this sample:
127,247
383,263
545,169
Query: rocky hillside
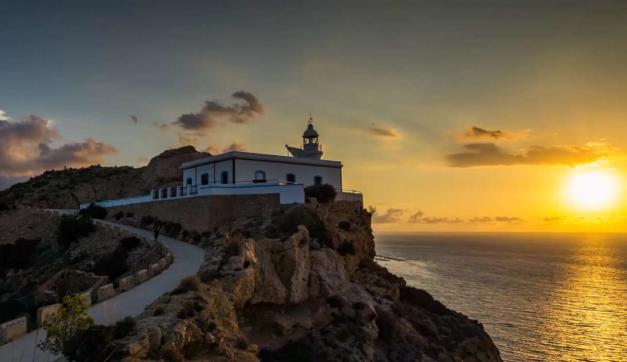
70,187
300,284
44,257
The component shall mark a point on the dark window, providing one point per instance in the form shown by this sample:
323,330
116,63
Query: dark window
204,179
189,181
318,180
290,177
224,177
260,176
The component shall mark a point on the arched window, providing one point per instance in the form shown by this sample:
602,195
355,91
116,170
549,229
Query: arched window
260,176
290,177
188,181
224,177
318,180
204,179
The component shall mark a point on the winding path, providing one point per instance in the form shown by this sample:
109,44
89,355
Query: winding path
187,261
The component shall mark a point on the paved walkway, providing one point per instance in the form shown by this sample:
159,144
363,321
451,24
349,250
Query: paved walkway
187,261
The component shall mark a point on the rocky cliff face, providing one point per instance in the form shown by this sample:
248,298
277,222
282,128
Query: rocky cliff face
68,188
300,284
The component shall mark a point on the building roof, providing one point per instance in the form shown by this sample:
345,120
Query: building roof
261,157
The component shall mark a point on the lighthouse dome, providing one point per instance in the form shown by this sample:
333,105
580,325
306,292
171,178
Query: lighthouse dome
310,132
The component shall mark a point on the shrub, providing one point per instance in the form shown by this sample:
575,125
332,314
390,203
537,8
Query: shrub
323,193
124,327
146,220
63,330
4,206
94,211
130,214
301,215
172,228
73,227
118,215
344,225
91,344
129,243
17,255
188,284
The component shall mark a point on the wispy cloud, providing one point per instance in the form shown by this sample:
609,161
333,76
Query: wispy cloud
391,215
134,118
235,146
477,132
489,154
382,132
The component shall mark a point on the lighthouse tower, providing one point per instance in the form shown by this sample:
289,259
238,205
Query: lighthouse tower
311,146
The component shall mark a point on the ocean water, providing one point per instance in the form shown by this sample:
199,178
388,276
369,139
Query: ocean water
541,297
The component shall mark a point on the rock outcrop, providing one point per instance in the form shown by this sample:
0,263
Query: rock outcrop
70,187
300,284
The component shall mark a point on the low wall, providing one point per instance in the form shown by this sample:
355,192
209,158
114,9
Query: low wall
202,213
13,329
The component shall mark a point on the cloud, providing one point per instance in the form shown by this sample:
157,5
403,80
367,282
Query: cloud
3,116
502,219
212,112
419,218
476,132
390,216
489,154
186,140
440,220
27,148
235,146
382,132
134,118
416,217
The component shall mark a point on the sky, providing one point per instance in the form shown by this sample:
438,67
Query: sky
447,115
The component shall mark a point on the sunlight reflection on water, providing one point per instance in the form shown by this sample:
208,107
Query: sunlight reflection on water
540,297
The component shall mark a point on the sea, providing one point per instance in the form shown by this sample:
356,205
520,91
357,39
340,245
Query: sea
541,297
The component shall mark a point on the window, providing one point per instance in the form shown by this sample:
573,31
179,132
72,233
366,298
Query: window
204,179
188,181
224,177
318,180
290,177
260,176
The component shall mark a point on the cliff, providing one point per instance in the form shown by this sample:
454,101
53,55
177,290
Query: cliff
68,188
299,283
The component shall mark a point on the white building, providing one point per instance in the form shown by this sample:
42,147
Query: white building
246,173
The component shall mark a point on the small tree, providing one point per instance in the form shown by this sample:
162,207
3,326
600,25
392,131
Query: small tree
65,327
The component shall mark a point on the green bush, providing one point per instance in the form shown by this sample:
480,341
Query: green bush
323,193
146,220
129,243
64,329
124,327
73,227
94,211
301,215
188,284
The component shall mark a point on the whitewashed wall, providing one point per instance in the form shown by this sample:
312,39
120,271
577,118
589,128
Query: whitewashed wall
245,171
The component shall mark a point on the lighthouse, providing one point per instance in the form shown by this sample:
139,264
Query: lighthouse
311,145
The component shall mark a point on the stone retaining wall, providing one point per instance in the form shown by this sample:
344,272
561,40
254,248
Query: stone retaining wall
18,327
202,213
13,329
46,312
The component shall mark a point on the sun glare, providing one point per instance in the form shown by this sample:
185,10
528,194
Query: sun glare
592,190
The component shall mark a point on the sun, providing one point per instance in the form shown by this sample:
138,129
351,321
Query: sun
592,190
